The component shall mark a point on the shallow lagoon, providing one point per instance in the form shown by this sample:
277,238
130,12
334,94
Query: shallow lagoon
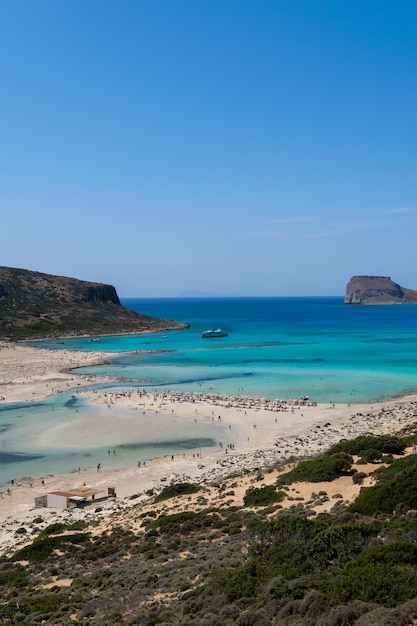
64,433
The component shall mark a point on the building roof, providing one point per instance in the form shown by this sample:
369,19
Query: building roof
82,493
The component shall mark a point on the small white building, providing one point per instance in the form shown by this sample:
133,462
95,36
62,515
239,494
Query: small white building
70,498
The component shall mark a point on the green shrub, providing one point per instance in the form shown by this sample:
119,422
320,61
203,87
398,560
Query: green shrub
385,575
54,529
262,496
181,522
323,469
59,528
340,543
286,528
388,495
39,550
401,468
234,529
177,489
45,604
115,543
358,477
243,582
43,547
383,443
370,455
14,576
387,458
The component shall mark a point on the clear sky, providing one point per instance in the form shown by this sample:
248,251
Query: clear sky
232,147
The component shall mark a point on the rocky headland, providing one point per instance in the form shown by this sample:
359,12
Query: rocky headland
377,290
34,305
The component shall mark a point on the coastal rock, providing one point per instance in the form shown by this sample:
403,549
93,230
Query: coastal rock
34,305
377,290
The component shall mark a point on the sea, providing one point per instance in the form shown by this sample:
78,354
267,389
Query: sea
276,348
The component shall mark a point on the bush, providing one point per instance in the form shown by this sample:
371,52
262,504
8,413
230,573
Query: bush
172,522
281,530
44,547
387,497
387,458
348,615
177,489
384,443
243,582
359,477
59,528
15,576
183,522
340,543
323,469
262,496
370,455
400,469
385,575
45,603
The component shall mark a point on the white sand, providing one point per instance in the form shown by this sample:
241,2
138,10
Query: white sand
28,374
263,434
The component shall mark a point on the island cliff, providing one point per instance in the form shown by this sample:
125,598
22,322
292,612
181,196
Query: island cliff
377,290
35,305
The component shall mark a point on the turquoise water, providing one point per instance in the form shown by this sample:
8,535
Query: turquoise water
277,347
43,438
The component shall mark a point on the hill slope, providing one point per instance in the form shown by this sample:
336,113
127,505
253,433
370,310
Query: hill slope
189,555
34,305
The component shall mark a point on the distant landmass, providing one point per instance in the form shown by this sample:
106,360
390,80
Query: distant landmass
207,294
34,305
377,290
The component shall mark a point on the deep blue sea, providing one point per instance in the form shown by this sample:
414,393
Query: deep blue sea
276,348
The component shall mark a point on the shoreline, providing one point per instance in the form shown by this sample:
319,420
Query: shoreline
264,434
30,373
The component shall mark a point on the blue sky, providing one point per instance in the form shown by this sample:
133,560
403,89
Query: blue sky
231,147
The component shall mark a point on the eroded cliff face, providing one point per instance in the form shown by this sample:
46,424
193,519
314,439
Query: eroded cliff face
35,305
377,290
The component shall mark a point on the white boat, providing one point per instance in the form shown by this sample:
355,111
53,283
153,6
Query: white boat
210,334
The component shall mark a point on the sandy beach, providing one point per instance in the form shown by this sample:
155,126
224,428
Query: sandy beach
28,373
262,434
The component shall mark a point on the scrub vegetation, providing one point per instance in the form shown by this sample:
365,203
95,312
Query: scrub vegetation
173,562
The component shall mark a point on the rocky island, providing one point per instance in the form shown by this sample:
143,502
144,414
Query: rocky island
377,290
34,305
